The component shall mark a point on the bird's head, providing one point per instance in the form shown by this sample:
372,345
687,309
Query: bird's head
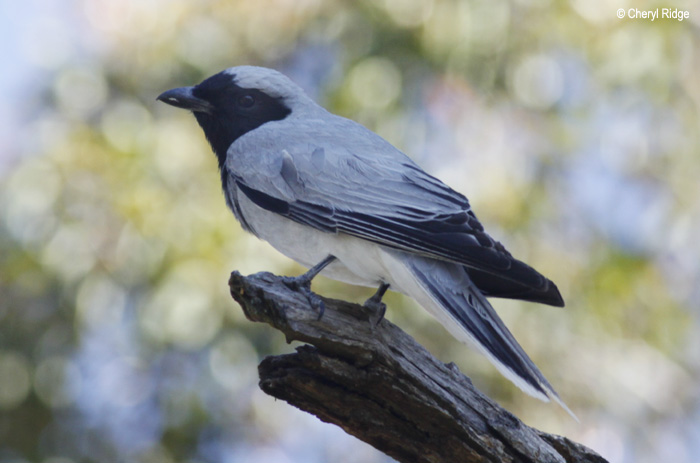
233,102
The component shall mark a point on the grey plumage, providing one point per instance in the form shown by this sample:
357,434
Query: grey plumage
314,184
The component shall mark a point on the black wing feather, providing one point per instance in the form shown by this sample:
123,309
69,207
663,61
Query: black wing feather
455,237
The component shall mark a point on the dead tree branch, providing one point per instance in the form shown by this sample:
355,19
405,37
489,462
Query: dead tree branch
381,386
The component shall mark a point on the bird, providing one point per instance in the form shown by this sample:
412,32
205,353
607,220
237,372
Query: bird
339,199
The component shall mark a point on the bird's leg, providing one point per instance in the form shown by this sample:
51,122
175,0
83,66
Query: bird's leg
376,305
302,283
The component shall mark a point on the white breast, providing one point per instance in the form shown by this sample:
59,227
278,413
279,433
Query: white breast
359,262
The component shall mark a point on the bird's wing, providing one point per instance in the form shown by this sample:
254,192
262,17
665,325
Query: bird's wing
359,184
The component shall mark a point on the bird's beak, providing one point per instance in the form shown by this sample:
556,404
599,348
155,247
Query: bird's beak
183,98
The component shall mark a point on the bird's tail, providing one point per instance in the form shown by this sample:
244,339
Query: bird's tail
446,291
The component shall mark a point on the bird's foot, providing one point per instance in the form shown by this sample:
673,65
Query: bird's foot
302,284
376,306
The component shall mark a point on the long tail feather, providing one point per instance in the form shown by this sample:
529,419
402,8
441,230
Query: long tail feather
446,290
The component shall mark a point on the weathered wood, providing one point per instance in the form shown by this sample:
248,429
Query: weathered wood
380,385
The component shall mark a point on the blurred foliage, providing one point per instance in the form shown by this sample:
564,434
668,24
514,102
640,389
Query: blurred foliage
573,133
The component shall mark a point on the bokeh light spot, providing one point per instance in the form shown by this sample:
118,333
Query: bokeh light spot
181,313
57,381
28,201
599,11
126,124
70,252
80,91
409,13
538,81
375,82
99,301
15,379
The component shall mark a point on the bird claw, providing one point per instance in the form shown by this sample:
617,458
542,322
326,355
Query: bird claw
376,306
302,284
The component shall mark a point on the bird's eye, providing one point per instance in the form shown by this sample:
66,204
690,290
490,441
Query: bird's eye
246,101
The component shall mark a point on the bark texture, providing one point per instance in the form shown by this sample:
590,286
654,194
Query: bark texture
381,386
